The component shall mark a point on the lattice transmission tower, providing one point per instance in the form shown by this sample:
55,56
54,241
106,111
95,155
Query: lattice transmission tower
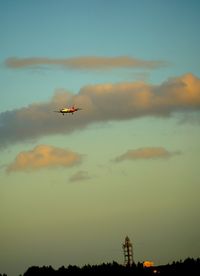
128,252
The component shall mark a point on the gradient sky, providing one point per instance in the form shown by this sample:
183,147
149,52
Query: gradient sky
73,187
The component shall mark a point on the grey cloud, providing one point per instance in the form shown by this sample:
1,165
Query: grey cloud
100,103
85,63
79,176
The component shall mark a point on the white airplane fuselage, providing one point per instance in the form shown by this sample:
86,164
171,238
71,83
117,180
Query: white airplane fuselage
68,110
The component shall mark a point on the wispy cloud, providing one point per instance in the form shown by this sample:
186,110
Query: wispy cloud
100,103
79,176
44,156
146,153
85,63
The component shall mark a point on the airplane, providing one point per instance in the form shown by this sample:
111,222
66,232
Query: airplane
71,110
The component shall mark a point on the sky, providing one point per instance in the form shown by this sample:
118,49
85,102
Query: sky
73,187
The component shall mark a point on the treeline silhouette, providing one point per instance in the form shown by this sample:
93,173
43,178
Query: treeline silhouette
188,267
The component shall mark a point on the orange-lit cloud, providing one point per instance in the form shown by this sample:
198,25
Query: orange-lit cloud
44,156
87,62
100,103
145,153
79,176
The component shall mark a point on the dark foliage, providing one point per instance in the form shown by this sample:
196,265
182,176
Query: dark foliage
187,267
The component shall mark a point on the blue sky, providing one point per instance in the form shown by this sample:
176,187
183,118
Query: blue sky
72,187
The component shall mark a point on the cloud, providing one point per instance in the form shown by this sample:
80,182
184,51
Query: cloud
146,153
85,63
44,156
79,176
100,103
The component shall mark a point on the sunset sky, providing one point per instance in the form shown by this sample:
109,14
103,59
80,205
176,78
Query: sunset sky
73,187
